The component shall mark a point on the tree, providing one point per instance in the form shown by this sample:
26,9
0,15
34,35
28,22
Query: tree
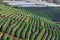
54,1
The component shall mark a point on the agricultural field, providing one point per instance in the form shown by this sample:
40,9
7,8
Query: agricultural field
20,24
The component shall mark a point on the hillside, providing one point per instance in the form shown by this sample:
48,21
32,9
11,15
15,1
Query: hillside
19,24
51,13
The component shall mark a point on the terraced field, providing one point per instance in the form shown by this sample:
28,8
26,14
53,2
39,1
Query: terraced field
18,24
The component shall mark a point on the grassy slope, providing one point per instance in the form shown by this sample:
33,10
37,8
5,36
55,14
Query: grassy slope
51,13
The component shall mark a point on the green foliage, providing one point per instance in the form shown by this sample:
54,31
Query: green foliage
4,37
